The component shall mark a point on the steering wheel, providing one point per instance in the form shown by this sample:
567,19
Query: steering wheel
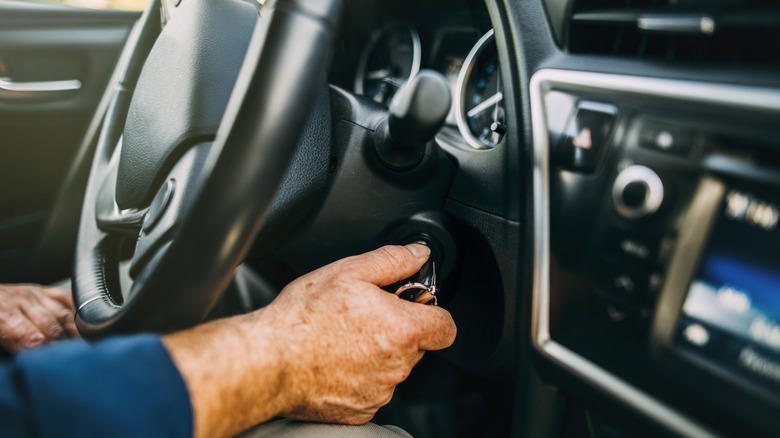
200,160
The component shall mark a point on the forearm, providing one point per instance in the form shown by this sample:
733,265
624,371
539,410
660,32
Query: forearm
233,374
331,347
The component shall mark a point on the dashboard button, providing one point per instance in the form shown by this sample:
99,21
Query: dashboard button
625,284
665,137
587,136
642,249
625,320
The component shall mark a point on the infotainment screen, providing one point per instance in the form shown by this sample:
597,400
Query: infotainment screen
731,315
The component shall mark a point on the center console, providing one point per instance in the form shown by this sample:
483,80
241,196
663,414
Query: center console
657,245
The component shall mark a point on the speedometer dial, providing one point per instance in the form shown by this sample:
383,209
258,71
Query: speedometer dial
389,60
481,112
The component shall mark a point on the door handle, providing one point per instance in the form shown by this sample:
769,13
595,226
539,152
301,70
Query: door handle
10,89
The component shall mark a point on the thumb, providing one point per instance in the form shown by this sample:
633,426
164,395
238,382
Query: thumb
385,265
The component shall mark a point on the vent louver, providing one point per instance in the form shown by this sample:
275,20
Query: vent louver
743,32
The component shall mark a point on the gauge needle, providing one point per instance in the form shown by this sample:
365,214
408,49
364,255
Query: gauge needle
487,103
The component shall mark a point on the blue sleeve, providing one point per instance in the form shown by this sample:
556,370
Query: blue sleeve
121,387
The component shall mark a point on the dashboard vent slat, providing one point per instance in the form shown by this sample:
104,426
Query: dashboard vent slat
695,31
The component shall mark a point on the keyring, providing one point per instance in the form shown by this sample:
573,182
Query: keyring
421,293
421,287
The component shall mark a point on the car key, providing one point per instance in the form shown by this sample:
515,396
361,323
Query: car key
422,286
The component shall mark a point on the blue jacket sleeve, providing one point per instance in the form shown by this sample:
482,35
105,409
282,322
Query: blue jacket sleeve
121,387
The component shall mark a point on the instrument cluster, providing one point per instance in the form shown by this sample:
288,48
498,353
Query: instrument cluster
393,47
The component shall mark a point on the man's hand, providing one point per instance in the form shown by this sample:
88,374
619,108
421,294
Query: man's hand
332,347
31,315
346,343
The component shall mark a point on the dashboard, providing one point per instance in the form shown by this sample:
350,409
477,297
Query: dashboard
632,146
605,190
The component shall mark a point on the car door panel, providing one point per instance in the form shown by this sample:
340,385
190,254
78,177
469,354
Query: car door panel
54,64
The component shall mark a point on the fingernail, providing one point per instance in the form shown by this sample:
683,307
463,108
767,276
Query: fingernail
419,251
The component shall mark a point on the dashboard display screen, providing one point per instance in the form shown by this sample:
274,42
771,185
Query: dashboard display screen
731,315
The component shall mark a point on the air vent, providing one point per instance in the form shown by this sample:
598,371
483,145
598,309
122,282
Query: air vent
739,32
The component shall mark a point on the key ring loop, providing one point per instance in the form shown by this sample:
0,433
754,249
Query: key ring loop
425,296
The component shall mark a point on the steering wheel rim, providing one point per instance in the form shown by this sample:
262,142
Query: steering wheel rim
211,201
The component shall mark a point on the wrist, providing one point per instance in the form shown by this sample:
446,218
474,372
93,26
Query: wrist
233,373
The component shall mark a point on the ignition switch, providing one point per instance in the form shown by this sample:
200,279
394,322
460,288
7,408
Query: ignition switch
423,286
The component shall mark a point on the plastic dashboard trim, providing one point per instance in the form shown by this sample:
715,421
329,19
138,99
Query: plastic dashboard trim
544,81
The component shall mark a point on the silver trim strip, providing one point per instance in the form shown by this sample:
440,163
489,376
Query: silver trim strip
460,98
13,89
694,231
544,81
695,24
86,303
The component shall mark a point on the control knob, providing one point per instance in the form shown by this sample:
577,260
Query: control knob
637,192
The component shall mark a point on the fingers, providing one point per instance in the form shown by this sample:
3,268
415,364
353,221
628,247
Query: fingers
64,296
62,309
31,315
40,315
436,328
18,333
385,265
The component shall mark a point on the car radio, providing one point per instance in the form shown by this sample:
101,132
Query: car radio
663,246
730,314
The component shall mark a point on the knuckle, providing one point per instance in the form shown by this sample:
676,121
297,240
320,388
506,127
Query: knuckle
387,398
33,340
16,327
53,330
64,315
18,292
391,257
396,369
398,376
406,335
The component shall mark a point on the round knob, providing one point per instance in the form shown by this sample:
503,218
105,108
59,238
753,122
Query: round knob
637,192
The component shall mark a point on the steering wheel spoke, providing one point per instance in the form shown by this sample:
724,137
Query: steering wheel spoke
108,216
124,222
214,121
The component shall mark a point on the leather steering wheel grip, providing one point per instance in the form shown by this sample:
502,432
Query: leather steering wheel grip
222,176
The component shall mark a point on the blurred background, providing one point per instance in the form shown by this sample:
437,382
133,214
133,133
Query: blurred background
129,5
